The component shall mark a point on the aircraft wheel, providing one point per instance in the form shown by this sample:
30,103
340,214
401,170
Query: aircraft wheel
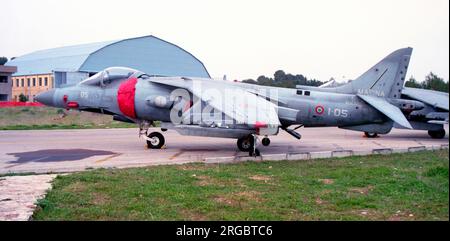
157,140
437,134
245,144
265,141
371,134
254,153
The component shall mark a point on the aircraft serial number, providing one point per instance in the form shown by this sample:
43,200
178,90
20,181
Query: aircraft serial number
338,112
84,94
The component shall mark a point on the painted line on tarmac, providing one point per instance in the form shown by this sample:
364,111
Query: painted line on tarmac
108,158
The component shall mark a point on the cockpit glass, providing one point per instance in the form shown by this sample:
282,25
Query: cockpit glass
108,75
113,73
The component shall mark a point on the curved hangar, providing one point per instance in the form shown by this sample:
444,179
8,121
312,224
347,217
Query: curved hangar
59,67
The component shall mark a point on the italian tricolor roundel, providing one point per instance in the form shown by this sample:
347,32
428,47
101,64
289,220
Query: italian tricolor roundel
319,109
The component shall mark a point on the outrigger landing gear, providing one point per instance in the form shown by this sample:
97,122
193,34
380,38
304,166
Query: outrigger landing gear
155,140
265,141
371,134
248,144
439,134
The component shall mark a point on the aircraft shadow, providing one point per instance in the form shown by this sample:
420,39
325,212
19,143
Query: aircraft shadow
55,155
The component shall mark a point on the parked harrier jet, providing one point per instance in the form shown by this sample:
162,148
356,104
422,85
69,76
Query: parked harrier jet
373,103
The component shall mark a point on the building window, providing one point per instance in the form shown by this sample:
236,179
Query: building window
45,81
40,81
23,82
28,82
17,82
3,79
34,81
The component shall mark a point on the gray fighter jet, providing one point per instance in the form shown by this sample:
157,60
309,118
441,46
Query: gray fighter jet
373,103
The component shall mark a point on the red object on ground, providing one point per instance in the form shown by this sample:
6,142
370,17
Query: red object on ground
125,97
9,104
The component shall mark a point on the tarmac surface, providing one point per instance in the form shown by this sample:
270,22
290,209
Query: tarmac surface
44,151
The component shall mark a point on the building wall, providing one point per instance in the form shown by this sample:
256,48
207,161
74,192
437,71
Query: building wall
5,86
30,85
5,82
63,79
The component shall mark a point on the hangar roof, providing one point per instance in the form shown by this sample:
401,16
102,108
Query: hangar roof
148,54
58,59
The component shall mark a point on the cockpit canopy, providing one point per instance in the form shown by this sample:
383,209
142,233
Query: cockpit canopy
111,74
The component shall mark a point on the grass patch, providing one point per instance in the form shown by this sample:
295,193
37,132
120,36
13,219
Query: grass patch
47,118
13,174
412,186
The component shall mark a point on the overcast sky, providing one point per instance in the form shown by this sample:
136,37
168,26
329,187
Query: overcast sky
244,39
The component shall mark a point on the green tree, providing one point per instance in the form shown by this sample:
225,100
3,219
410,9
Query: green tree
279,76
434,82
3,60
281,79
412,82
22,98
250,81
263,80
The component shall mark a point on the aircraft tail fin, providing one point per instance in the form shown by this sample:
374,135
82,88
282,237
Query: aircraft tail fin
385,79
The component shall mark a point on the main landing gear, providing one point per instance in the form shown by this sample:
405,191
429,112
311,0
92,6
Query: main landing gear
249,144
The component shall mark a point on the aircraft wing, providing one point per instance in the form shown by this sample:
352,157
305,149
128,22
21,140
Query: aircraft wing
240,105
391,111
434,98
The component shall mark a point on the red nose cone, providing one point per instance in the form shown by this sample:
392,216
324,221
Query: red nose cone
125,97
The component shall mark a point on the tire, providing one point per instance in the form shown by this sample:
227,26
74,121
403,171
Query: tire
370,134
157,142
439,134
245,144
265,141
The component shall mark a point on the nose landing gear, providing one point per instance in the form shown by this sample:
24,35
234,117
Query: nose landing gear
155,140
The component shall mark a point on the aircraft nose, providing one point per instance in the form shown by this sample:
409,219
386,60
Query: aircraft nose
46,97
